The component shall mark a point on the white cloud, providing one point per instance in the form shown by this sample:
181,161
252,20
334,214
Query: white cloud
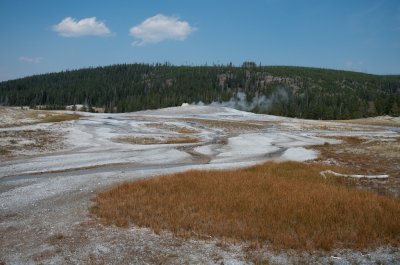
159,28
69,27
27,59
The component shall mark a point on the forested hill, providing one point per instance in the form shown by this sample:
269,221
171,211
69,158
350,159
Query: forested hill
280,90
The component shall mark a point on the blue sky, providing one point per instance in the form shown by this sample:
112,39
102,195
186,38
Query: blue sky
46,36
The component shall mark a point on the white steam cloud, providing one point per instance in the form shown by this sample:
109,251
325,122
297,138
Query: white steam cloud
262,103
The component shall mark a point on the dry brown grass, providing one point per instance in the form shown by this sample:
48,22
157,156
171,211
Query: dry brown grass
369,157
14,117
20,141
60,117
173,128
154,140
375,121
364,156
4,151
286,204
185,140
232,126
352,140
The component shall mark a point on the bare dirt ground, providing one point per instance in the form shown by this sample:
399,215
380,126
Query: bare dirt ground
52,164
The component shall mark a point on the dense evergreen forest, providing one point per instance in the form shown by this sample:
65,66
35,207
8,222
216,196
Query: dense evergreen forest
280,90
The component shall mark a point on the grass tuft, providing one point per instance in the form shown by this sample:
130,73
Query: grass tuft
61,117
287,204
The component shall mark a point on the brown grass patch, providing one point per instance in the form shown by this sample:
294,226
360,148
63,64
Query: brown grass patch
287,204
232,126
56,238
60,117
20,141
46,116
4,151
182,140
375,121
173,128
14,117
352,140
369,157
154,140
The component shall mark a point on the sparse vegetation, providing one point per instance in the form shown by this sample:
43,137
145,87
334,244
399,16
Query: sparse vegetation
286,204
173,128
369,157
12,117
185,140
60,117
20,141
4,151
232,126
47,116
376,121
154,140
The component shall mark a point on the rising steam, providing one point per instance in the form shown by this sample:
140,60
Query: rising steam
262,103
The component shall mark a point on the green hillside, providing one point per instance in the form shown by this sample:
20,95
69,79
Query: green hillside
281,90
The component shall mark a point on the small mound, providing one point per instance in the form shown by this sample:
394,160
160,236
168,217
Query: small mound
286,204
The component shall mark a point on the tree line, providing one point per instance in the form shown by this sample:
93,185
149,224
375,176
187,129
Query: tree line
287,91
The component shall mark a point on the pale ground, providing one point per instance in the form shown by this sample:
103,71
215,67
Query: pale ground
49,172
